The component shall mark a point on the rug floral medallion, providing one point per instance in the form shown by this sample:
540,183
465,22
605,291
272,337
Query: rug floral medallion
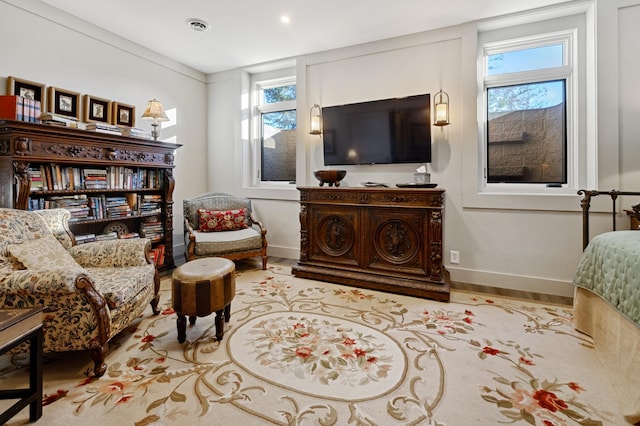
301,352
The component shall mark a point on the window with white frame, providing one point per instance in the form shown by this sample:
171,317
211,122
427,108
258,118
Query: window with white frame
528,136
275,125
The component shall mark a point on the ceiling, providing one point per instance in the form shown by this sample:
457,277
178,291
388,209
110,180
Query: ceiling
249,32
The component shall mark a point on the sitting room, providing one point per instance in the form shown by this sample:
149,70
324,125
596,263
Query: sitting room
379,213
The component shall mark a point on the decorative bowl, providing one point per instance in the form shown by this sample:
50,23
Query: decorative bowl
330,177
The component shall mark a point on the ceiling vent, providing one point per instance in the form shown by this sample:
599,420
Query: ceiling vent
198,25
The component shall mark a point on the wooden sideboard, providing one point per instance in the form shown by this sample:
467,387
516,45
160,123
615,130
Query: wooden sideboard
26,148
387,239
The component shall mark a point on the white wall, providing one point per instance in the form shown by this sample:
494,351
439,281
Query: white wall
533,249
44,45
511,248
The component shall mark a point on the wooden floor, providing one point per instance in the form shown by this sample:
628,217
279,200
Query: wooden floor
547,298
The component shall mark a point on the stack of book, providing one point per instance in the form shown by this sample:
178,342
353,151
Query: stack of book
150,204
129,235
108,236
94,178
58,120
117,207
103,128
157,254
135,132
13,107
77,205
85,238
151,228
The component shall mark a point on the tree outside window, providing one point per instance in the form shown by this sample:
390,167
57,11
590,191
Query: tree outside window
526,113
278,124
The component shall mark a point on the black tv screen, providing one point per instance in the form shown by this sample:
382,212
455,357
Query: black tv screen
385,131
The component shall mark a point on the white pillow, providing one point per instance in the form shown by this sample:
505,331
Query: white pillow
43,253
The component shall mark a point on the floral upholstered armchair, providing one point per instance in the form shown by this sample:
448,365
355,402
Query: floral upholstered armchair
91,291
222,225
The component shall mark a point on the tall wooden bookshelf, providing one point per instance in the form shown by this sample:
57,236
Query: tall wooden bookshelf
42,164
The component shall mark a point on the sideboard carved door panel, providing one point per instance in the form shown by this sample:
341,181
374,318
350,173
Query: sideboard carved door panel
378,238
398,241
335,234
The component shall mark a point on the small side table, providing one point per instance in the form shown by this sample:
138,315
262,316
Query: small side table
17,326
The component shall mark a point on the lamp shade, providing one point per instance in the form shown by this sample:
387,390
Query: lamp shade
441,107
155,112
315,120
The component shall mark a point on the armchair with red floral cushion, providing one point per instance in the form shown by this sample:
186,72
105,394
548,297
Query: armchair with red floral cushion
222,225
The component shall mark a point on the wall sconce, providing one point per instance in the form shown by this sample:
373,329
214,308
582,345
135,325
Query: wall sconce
441,107
155,112
316,120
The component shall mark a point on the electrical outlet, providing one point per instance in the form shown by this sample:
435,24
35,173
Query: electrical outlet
454,256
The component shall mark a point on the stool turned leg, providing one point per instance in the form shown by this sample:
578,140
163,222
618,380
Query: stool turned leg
227,313
219,324
192,319
182,328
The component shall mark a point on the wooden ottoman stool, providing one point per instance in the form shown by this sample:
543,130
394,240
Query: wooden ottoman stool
201,287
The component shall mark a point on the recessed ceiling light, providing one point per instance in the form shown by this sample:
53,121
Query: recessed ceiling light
198,25
285,19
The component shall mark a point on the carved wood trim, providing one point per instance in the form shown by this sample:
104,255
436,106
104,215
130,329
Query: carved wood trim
394,243
85,285
20,170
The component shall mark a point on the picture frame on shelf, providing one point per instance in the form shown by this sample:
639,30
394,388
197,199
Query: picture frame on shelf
26,89
96,110
123,114
64,102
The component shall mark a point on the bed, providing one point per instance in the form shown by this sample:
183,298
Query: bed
607,301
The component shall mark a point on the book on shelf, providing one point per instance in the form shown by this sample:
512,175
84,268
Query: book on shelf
152,229
157,254
58,120
94,178
85,238
103,128
36,178
56,177
107,236
129,235
14,107
135,132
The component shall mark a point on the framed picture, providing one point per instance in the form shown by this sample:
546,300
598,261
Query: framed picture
64,102
96,110
123,115
27,89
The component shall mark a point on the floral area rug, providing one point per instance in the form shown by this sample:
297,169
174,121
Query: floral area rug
302,352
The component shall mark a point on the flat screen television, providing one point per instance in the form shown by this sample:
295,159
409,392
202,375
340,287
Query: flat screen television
386,131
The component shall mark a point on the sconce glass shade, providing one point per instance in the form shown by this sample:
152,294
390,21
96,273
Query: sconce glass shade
441,109
155,112
315,120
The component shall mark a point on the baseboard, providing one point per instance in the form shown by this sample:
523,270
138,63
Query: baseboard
460,275
286,252
275,251
512,282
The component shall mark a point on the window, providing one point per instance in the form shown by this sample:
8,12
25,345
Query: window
527,138
275,131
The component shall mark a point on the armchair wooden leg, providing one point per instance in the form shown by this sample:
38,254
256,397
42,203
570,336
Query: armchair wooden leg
156,295
98,355
264,263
